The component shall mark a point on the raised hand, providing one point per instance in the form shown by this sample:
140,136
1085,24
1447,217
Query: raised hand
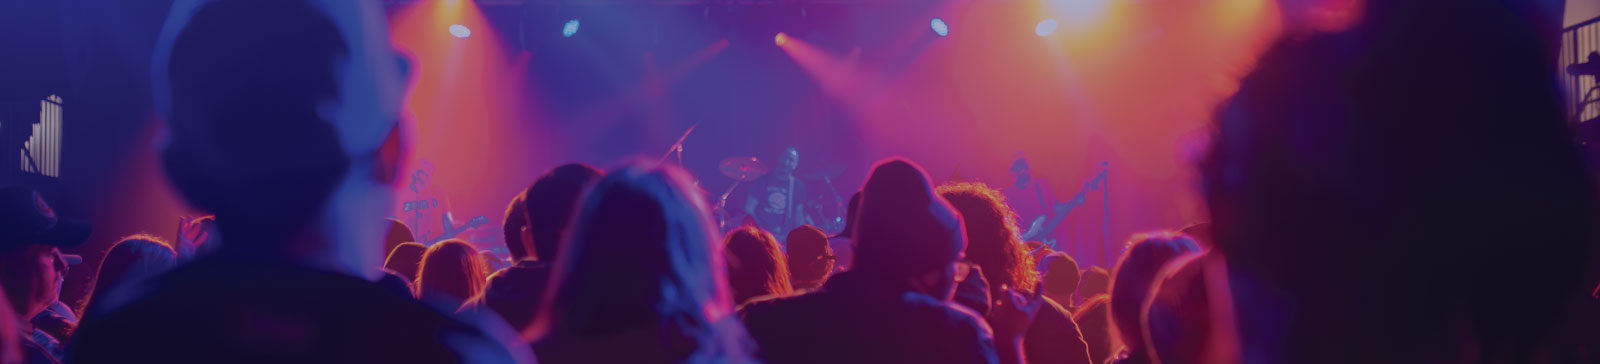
190,235
1013,313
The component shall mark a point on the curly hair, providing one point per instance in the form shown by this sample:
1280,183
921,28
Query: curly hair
992,240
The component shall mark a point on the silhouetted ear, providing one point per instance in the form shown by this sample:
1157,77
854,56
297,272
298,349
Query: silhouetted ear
391,154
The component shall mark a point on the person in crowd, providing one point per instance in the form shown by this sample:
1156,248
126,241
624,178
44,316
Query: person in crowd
1061,279
809,257
451,273
1141,261
123,269
283,121
406,259
1094,320
397,283
58,320
993,244
1094,281
547,207
842,244
32,268
755,266
893,305
1362,194
1179,317
641,278
515,228
396,234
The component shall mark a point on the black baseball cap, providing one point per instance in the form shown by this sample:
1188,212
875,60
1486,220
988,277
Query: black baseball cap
25,219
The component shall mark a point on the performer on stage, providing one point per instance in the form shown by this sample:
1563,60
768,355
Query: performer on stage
776,201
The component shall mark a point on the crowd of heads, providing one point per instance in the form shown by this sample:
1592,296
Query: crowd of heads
1357,197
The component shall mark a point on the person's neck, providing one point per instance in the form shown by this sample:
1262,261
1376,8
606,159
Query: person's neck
314,247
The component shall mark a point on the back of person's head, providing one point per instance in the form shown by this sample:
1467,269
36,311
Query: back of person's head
1094,321
129,261
551,202
515,225
1350,166
643,254
1060,276
1136,271
1179,315
451,269
852,209
755,266
992,240
1093,281
809,257
406,259
397,233
274,105
904,229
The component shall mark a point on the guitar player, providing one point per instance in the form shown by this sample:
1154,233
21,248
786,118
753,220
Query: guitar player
1034,203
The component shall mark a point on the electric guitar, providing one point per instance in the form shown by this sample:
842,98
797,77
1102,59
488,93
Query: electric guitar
1045,225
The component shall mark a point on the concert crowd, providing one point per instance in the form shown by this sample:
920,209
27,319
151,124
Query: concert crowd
1369,202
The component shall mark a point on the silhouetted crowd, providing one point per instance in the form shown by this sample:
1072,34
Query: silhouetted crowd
1367,203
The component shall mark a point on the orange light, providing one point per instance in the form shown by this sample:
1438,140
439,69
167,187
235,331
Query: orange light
781,39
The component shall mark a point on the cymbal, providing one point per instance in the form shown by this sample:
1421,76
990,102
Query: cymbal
742,168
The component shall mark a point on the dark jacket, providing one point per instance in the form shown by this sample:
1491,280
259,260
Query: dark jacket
241,310
1054,338
852,320
515,293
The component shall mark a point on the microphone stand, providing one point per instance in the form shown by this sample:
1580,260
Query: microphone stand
677,147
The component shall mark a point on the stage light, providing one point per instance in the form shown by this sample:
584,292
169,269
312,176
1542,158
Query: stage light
460,31
570,29
781,39
1045,27
939,27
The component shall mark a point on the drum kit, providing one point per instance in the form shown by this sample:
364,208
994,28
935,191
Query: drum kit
748,169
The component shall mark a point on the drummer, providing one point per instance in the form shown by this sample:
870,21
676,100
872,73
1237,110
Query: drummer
775,201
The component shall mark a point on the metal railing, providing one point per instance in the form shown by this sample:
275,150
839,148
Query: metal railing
1577,42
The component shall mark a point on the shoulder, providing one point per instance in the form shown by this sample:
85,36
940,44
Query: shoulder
945,316
224,316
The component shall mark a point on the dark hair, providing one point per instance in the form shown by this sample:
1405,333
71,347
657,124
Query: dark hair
1093,281
992,240
406,259
451,268
516,219
135,258
397,234
643,253
809,257
1373,188
1136,273
850,211
243,115
755,266
1061,274
550,203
